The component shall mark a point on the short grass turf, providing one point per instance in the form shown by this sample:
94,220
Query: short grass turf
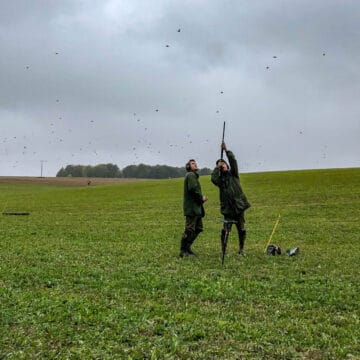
94,273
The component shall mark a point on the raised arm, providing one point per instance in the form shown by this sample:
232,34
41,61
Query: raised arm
233,163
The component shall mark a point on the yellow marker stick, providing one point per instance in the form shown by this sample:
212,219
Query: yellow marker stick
276,224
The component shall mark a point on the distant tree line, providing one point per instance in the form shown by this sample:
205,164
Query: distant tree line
140,171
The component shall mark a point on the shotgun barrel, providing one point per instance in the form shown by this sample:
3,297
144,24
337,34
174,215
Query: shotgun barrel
222,141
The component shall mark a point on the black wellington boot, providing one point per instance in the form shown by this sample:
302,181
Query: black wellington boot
242,237
190,241
186,241
183,247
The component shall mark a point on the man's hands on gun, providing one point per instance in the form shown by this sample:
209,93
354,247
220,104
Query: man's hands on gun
204,198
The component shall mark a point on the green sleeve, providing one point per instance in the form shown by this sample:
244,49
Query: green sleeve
233,163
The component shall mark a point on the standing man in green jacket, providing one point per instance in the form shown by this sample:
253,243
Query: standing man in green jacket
193,208
233,201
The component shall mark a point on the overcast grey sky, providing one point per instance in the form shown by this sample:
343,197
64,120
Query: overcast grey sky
139,81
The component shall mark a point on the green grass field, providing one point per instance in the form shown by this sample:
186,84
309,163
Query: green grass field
94,273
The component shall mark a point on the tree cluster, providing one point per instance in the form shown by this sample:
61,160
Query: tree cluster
101,170
140,171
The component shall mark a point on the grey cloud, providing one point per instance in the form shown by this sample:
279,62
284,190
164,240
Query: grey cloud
87,67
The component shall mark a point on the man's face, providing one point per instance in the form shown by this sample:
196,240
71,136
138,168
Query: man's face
223,166
193,165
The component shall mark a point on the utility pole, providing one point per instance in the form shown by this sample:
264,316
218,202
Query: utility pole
42,166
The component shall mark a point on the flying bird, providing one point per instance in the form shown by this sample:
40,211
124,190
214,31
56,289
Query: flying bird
178,30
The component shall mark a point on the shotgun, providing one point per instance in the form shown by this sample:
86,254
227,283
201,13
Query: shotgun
222,141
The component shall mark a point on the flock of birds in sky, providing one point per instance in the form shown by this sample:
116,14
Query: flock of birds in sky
143,143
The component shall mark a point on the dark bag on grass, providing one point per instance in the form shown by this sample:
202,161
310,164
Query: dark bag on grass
273,250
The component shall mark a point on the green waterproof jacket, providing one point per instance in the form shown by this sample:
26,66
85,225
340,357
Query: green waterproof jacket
193,198
232,198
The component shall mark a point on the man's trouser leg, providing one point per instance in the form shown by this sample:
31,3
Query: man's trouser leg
193,227
241,232
197,225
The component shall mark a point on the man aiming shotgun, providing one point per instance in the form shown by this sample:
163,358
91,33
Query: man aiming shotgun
233,201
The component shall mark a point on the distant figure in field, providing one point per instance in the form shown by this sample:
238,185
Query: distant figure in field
193,208
233,201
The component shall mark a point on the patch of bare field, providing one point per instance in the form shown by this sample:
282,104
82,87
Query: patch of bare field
64,181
